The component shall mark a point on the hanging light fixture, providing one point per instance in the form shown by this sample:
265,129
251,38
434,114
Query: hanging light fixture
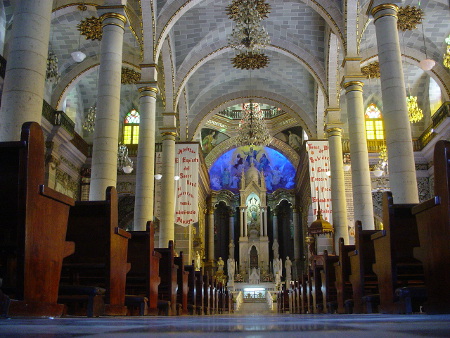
252,128
447,54
89,120
124,163
79,56
414,112
426,64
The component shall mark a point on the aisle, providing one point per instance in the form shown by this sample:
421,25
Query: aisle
254,309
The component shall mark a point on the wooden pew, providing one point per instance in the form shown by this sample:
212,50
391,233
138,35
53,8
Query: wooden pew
143,278
168,287
192,289
309,287
328,276
207,307
199,291
395,265
33,224
362,277
316,284
303,294
433,223
342,270
183,287
100,259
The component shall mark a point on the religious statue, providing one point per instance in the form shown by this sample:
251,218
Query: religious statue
231,247
275,247
197,261
220,264
288,266
254,276
231,269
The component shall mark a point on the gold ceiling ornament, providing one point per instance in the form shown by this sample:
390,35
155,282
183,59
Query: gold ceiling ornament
91,28
82,7
372,70
257,9
250,60
414,112
130,76
409,17
382,153
447,54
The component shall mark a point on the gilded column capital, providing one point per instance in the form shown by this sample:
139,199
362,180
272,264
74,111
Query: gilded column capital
351,86
116,16
334,131
148,89
391,10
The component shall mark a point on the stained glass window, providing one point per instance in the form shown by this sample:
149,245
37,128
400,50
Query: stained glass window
374,123
131,127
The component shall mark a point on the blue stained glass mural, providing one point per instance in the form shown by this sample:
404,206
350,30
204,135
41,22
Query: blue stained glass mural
226,171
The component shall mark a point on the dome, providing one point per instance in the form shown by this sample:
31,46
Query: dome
320,226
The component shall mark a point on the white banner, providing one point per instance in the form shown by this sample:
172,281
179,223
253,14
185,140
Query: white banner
187,168
157,196
319,166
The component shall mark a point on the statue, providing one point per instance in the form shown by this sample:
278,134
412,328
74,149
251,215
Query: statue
275,247
220,264
231,269
254,276
231,247
198,261
288,266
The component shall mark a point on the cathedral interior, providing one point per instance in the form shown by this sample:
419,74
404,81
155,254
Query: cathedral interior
252,133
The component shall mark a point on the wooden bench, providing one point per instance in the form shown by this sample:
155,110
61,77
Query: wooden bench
183,286
362,277
395,265
342,270
316,284
33,223
328,276
168,287
100,259
192,289
199,292
303,294
433,224
143,278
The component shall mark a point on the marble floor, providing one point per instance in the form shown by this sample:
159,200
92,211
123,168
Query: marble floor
237,325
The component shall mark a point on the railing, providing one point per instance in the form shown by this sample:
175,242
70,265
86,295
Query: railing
237,114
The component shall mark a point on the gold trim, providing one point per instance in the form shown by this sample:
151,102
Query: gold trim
147,88
169,133
148,65
378,8
335,130
153,95
112,24
353,83
112,15
384,15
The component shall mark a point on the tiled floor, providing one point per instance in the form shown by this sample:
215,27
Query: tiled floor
233,325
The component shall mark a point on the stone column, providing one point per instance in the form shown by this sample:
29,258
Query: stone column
265,221
275,225
145,171
231,226
362,189
211,234
24,84
106,133
167,221
261,222
402,172
296,235
338,186
241,218
245,223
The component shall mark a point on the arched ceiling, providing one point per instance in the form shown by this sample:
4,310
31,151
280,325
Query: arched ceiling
308,44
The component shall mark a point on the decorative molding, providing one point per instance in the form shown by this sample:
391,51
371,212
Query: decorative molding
130,76
372,70
91,28
409,17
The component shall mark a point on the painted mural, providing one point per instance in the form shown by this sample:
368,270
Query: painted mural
211,138
226,171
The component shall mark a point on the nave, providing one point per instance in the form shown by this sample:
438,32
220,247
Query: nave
237,325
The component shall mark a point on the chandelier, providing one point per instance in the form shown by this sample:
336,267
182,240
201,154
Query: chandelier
248,36
414,112
89,120
124,163
252,127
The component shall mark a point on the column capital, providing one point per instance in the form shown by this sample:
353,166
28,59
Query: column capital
375,11
148,89
115,16
334,131
351,86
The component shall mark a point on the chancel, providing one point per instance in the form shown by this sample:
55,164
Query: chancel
280,165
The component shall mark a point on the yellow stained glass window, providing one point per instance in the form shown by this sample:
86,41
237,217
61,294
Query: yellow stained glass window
374,123
131,127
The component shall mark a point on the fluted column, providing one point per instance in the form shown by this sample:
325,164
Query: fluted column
296,235
145,171
231,225
362,189
24,84
167,219
211,234
338,186
106,133
275,225
402,172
